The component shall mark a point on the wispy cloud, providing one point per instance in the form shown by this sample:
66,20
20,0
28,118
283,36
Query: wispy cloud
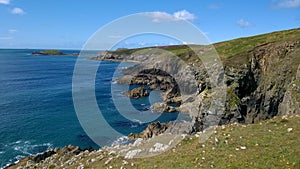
176,16
6,38
12,31
18,11
243,23
6,2
287,4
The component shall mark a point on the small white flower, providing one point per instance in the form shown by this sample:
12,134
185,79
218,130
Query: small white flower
125,162
216,140
243,147
289,129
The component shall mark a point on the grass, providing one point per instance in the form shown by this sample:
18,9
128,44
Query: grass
52,52
227,49
268,145
234,47
232,98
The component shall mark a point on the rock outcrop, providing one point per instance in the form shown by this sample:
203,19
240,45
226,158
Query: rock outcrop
137,92
258,88
162,107
152,130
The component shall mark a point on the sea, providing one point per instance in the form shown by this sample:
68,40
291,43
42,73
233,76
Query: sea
36,106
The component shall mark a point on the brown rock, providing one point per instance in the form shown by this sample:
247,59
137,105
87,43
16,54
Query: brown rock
152,130
137,92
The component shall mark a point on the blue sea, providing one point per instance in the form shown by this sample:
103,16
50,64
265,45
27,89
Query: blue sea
36,105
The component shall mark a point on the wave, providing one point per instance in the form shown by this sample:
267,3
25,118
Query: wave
138,121
22,149
114,82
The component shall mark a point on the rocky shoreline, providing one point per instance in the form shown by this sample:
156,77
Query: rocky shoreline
260,84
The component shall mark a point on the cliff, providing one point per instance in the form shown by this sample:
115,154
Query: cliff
261,75
261,81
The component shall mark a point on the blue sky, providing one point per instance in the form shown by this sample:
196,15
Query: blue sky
68,24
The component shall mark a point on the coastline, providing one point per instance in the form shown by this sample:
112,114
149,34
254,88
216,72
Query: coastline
279,90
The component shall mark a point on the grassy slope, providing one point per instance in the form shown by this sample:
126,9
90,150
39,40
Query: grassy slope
268,145
232,48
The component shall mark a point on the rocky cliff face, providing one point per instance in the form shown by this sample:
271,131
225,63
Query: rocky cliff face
261,83
259,87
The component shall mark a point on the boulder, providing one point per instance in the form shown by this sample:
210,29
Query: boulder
152,130
137,92
162,107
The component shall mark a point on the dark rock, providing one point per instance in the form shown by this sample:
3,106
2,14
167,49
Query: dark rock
43,156
137,92
152,130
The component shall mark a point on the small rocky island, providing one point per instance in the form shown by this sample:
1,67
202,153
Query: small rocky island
53,52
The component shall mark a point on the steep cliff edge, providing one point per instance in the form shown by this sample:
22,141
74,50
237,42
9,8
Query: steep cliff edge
262,80
259,87
261,76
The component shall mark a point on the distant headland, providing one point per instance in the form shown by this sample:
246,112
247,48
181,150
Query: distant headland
53,52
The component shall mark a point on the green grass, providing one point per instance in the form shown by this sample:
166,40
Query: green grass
232,98
236,48
268,145
52,52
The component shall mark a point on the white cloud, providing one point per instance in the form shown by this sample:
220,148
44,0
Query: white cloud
4,2
176,16
288,4
17,11
185,15
12,31
6,38
243,23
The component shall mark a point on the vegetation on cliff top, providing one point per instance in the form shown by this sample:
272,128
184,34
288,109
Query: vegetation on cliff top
227,49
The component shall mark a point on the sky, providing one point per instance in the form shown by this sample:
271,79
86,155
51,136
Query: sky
68,24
